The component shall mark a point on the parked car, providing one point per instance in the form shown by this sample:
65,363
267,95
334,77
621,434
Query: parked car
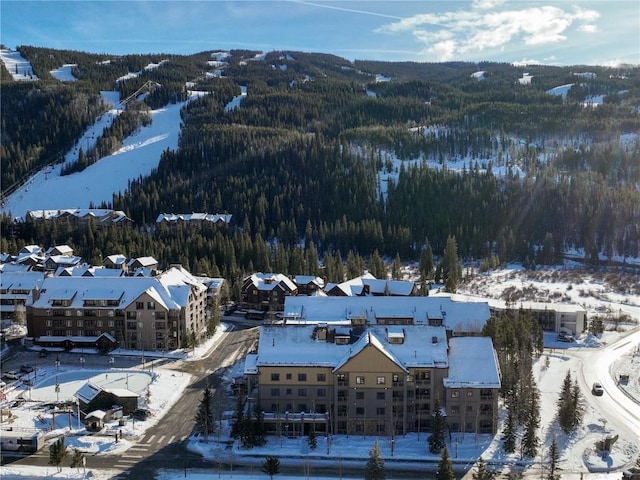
26,368
563,337
12,375
141,414
597,389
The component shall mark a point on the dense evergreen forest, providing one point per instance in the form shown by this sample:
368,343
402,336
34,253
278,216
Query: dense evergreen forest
331,160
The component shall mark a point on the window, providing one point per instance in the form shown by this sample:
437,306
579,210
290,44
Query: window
321,408
380,411
289,391
469,408
322,377
380,380
359,395
342,410
302,377
151,305
302,407
302,392
322,392
396,377
288,376
359,410
455,409
275,377
275,392
469,393
380,395
455,393
360,380
139,305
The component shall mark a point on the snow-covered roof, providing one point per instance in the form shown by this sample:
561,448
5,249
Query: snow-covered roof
99,414
88,392
307,279
19,280
187,217
60,249
269,281
170,289
456,316
472,363
297,346
104,214
117,259
499,304
143,261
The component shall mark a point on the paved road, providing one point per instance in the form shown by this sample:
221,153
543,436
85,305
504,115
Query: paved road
163,445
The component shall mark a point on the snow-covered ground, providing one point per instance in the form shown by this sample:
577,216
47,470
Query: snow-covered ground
19,68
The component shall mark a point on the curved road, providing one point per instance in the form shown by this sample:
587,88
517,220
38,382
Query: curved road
621,412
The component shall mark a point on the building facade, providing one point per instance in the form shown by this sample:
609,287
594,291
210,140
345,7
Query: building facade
154,313
372,379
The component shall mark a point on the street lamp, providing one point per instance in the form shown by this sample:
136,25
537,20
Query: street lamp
82,361
57,390
112,361
57,363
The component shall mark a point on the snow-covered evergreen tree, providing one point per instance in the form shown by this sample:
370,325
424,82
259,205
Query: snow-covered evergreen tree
375,465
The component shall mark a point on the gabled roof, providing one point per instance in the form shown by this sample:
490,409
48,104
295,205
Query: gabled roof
171,289
269,281
369,339
118,259
307,279
187,217
88,392
59,250
143,262
299,346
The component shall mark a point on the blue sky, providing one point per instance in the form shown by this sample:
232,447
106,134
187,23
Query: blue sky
558,32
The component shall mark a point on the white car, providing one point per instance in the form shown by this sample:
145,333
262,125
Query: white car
12,375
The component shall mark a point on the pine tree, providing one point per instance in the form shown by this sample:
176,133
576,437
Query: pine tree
312,440
482,472
396,272
77,459
530,440
426,264
445,467
451,268
57,453
509,434
565,404
205,424
375,465
577,404
438,424
271,466
554,459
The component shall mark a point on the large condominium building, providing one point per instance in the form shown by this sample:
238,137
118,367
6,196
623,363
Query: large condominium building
154,313
375,366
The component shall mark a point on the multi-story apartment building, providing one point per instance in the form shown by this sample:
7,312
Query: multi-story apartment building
372,371
154,313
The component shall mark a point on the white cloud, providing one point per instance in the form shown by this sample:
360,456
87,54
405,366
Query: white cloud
448,34
588,28
486,4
